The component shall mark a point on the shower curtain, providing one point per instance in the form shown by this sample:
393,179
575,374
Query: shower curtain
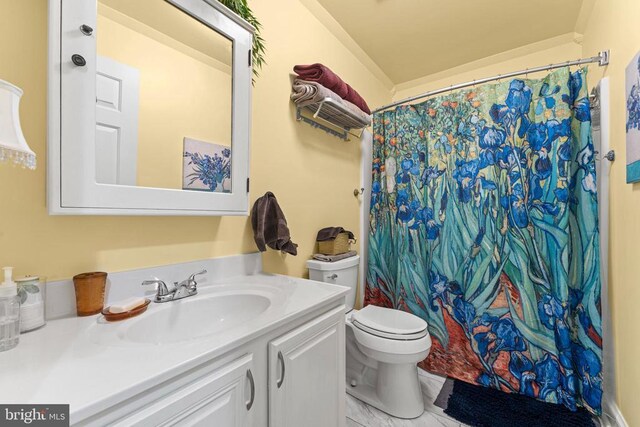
484,223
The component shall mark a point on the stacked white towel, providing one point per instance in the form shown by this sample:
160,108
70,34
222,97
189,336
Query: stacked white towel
305,93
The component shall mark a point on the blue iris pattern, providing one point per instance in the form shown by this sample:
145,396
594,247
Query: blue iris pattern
633,105
212,171
484,223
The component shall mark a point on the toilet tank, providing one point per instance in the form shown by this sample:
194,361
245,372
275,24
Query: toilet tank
343,272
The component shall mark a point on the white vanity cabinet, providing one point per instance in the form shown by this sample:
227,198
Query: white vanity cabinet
223,397
250,349
306,374
292,376
220,393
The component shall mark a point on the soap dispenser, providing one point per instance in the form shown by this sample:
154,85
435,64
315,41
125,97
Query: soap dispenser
9,312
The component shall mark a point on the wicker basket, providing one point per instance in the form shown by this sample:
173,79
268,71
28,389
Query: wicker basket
337,246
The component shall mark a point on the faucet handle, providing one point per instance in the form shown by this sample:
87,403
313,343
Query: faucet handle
192,278
161,287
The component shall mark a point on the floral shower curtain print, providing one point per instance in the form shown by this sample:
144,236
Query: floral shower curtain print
484,223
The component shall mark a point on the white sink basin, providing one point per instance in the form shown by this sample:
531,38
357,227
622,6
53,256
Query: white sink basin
193,318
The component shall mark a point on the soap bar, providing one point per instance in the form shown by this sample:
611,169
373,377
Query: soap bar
126,305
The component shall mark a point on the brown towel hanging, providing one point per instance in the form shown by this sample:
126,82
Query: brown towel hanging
270,226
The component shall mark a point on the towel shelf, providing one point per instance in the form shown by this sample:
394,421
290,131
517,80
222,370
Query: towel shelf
331,117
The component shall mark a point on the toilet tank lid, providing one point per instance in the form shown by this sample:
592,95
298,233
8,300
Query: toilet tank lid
314,264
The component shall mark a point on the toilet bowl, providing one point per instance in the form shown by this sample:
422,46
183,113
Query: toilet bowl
383,347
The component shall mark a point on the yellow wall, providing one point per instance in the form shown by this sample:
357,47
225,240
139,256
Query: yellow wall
311,173
557,49
614,25
180,96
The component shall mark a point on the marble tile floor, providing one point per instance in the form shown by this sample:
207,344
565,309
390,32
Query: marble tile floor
359,414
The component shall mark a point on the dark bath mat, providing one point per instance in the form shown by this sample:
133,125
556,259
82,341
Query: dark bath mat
486,407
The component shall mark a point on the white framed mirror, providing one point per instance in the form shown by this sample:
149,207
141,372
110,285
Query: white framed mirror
149,108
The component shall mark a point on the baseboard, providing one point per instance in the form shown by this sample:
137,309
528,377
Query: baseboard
611,415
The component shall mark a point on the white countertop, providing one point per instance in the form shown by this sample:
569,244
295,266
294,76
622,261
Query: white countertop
77,361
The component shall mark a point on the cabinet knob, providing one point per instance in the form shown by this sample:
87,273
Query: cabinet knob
86,30
78,60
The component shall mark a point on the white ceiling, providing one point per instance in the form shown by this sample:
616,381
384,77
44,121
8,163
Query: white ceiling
409,39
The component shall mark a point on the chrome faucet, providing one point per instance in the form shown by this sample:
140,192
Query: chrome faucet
184,289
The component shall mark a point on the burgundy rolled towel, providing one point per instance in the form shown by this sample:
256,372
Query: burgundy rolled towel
322,74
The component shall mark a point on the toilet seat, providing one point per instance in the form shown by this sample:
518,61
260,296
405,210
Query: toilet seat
389,323
391,350
382,334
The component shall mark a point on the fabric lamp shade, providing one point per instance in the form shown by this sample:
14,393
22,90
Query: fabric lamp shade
13,146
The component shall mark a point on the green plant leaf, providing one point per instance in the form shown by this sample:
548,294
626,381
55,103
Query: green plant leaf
540,340
242,9
488,294
476,279
559,236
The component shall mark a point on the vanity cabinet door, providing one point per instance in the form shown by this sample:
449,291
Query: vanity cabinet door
222,399
307,374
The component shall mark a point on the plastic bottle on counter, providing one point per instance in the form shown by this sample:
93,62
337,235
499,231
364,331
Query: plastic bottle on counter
9,312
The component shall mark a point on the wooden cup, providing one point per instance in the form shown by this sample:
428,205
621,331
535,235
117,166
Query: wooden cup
89,292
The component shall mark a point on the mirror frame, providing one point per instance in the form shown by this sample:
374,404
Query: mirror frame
71,185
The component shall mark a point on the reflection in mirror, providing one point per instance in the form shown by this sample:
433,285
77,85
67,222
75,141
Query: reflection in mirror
163,98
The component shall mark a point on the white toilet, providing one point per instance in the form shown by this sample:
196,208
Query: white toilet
383,346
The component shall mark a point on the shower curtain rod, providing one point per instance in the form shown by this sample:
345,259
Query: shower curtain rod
602,59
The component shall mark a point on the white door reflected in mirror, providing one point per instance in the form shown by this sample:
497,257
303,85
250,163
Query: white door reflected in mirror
163,81
117,110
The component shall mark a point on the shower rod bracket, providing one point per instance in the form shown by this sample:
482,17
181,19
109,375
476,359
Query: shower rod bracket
604,57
